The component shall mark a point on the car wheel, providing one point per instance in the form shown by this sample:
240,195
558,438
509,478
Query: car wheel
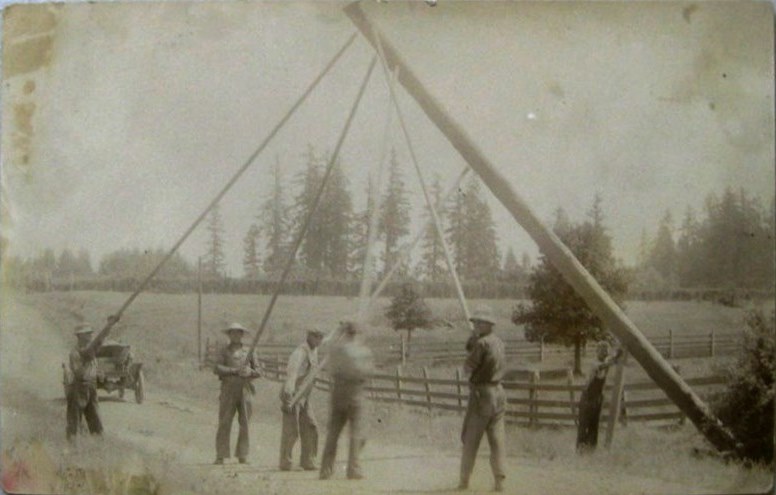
139,387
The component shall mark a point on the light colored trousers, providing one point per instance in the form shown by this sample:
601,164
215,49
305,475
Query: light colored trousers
484,414
299,423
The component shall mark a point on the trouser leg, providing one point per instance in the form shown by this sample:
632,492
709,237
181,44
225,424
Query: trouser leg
595,419
472,435
354,467
226,410
308,431
244,409
92,413
73,415
288,437
496,437
336,423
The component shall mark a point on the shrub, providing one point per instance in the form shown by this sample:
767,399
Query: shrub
746,407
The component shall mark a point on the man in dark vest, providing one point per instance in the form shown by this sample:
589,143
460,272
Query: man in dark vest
593,397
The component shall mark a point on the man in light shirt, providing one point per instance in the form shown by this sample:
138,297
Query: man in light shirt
299,420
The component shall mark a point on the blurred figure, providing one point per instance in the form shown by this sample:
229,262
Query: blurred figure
299,420
236,393
81,382
350,365
487,401
593,397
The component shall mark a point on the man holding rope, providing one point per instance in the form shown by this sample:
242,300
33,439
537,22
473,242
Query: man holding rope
236,392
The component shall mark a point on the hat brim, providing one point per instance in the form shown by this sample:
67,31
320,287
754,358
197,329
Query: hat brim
227,330
484,320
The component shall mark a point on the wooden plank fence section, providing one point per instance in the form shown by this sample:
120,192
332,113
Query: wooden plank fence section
533,402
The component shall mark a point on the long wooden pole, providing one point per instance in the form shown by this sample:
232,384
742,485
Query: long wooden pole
199,309
319,193
616,401
115,317
551,246
432,210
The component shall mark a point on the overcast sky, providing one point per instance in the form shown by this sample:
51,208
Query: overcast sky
138,113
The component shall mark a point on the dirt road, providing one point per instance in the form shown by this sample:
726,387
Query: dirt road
181,431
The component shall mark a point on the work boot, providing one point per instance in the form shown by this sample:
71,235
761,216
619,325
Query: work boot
499,487
325,474
463,485
219,460
309,467
243,460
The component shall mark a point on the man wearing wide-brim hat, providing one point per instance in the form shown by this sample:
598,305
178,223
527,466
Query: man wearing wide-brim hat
81,382
235,369
485,411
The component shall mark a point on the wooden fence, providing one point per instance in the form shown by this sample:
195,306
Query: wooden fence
672,346
546,398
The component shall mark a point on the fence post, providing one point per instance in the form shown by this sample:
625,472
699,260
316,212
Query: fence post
624,408
403,349
458,388
670,344
398,382
533,394
711,343
541,350
614,403
277,366
572,399
428,388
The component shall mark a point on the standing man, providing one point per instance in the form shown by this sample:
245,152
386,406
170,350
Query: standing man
299,420
350,365
593,397
487,400
82,381
236,393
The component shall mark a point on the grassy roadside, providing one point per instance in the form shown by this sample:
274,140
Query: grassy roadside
161,329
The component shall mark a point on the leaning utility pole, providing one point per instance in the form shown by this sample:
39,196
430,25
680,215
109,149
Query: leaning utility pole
559,255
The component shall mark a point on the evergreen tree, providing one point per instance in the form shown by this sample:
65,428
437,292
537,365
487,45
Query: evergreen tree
214,260
326,246
662,256
432,262
557,313
472,234
84,264
67,265
395,215
251,261
512,270
274,225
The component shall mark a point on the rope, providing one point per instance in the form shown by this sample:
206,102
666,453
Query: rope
434,216
114,318
319,193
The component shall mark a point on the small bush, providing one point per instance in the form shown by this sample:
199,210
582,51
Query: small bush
747,405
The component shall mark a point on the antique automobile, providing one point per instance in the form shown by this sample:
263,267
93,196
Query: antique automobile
116,370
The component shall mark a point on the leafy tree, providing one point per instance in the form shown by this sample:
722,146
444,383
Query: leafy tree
395,214
214,260
251,261
67,265
557,313
275,227
137,264
84,263
746,407
408,311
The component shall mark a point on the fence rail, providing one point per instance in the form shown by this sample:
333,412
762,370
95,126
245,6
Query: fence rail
533,398
670,346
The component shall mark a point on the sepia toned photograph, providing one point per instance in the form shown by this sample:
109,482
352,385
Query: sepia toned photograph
376,247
